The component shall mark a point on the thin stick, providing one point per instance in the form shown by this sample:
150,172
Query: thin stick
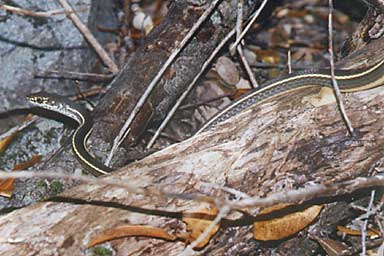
310,192
124,131
90,77
247,67
291,196
336,90
89,37
365,224
205,65
189,88
257,13
289,62
37,14
109,181
205,102
18,127
239,25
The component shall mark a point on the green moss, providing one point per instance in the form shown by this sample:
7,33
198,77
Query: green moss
52,188
41,184
101,251
56,187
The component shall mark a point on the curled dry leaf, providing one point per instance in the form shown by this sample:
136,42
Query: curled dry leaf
131,230
356,232
6,186
197,222
282,227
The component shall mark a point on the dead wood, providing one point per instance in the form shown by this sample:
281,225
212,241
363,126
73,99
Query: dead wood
143,65
281,144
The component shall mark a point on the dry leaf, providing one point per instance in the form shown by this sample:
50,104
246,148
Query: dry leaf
268,56
238,94
6,141
6,186
227,71
131,230
197,222
27,120
331,247
356,232
282,227
31,162
324,97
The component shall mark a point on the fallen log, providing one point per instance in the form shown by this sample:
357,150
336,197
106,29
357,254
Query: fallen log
285,143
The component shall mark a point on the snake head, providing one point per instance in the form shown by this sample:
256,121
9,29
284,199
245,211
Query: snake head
59,104
43,99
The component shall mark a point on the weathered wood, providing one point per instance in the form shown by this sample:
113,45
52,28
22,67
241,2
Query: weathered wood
131,82
281,144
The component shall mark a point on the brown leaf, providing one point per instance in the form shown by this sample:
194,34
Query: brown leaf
238,93
6,141
331,247
281,227
356,232
197,222
28,119
131,230
268,56
6,186
31,162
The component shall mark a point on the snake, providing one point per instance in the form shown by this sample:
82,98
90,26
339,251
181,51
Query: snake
352,80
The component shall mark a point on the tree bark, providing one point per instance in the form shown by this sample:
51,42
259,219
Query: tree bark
143,65
281,144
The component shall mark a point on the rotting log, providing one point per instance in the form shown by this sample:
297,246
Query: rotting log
282,144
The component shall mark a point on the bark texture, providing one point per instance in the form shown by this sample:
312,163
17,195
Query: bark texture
143,65
281,144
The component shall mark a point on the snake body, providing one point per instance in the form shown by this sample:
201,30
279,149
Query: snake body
348,81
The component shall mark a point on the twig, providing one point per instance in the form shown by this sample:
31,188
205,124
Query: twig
336,90
291,196
124,131
289,62
205,65
205,102
18,127
89,37
189,88
90,77
109,181
310,192
364,227
247,67
239,25
38,14
237,193
249,25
